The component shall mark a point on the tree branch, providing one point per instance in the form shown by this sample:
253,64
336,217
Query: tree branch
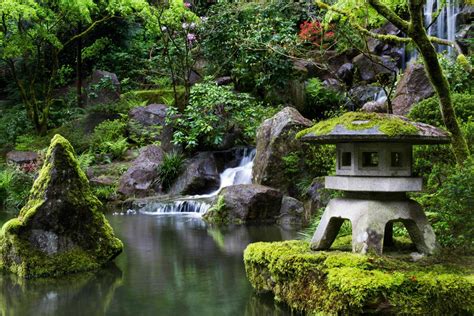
86,31
386,12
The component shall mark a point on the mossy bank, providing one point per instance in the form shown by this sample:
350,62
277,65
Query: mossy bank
345,283
61,229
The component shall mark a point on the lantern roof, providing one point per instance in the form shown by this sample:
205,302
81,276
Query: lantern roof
373,127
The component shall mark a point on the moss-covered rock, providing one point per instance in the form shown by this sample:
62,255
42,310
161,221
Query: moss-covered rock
61,229
345,283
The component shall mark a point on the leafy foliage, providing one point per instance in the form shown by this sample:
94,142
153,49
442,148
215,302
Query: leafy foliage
109,139
250,42
319,100
170,169
214,110
461,80
450,208
15,185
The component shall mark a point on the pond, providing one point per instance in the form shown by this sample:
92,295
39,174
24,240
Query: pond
172,264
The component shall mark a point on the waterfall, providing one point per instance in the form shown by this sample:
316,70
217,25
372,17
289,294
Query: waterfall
445,25
380,97
242,174
199,204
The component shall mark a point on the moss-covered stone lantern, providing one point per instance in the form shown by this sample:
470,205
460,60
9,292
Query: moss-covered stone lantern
374,169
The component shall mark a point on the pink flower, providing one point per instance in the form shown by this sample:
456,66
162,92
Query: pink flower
187,5
191,37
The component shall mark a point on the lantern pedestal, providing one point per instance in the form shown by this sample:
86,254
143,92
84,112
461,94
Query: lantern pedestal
369,219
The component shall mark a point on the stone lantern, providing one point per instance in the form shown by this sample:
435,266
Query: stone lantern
374,170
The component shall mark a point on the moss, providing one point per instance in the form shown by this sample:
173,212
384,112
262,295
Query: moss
217,214
61,204
345,283
157,95
389,125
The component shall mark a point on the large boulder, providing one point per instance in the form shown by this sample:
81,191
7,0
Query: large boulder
362,94
200,176
245,203
292,212
369,68
61,229
103,87
140,177
275,140
149,123
413,87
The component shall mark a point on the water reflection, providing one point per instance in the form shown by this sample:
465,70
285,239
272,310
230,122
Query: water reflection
79,294
172,264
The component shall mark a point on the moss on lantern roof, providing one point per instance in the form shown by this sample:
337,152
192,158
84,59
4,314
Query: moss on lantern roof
390,125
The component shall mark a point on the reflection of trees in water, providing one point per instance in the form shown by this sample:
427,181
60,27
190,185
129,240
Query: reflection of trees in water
78,294
264,304
180,265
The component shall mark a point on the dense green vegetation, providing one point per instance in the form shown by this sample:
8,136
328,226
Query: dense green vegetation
113,77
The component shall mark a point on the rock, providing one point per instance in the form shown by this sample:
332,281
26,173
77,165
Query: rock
153,114
103,87
275,140
21,157
200,176
333,84
360,95
223,81
61,229
375,106
413,87
306,67
139,178
370,68
380,47
346,73
245,203
316,196
149,123
292,212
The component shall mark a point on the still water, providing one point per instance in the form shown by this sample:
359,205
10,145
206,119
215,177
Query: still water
171,265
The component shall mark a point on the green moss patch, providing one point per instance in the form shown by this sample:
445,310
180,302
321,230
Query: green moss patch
390,125
162,96
345,283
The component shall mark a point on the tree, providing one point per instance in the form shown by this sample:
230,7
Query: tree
33,34
415,33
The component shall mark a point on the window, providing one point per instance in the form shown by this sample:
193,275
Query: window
346,159
370,159
396,159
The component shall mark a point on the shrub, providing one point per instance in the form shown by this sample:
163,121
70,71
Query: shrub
460,80
15,186
109,138
315,33
170,169
450,207
427,110
214,110
319,100
431,161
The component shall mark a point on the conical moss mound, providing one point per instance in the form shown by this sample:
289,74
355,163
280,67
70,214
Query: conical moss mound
61,229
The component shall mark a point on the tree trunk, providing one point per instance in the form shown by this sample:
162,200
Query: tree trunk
79,68
438,80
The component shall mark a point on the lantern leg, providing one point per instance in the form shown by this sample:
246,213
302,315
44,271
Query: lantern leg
328,227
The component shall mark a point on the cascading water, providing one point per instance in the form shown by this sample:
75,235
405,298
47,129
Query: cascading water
443,27
445,24
199,204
